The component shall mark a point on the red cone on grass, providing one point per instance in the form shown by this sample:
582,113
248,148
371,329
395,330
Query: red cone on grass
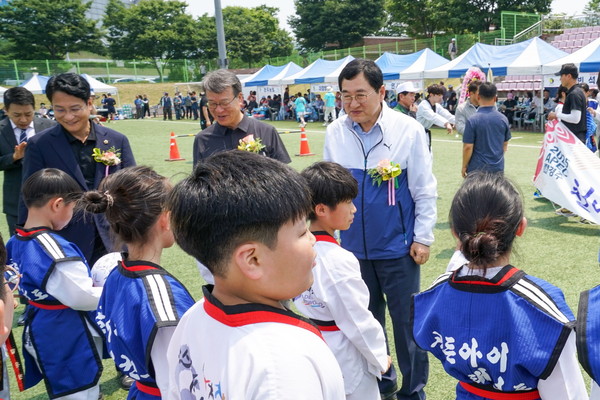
174,150
304,149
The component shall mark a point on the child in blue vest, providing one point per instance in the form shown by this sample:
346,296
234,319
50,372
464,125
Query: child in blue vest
338,300
141,303
61,342
502,333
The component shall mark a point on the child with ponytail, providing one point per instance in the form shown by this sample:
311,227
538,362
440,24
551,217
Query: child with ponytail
502,333
141,302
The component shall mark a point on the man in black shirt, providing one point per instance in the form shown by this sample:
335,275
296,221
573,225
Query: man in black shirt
205,117
224,101
573,113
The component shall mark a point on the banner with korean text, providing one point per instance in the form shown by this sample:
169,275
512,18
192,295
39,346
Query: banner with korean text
568,173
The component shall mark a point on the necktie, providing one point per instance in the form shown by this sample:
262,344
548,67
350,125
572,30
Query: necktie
23,137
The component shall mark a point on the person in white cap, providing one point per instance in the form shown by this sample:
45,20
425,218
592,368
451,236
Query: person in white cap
452,49
329,99
406,99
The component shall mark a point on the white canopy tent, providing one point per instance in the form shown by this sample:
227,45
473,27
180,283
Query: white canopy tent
36,84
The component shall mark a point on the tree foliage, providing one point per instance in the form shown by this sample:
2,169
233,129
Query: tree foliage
429,17
335,23
251,34
592,12
156,30
37,29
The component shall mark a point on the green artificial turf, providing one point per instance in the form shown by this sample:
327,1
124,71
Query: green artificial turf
555,248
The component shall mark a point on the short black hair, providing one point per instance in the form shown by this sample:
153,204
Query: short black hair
474,86
69,83
434,89
585,87
487,90
371,71
18,95
47,184
231,198
561,89
330,184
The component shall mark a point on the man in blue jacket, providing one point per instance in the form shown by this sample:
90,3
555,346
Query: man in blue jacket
393,225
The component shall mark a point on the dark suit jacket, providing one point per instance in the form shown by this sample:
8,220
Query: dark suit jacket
11,188
51,149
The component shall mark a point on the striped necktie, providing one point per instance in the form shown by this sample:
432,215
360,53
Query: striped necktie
23,137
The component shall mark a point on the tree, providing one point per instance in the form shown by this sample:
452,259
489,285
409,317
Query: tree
424,18
251,34
156,30
335,23
592,12
36,29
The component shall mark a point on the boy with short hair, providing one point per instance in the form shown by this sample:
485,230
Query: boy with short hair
339,298
242,215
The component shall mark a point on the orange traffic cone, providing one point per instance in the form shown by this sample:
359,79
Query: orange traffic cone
304,150
174,150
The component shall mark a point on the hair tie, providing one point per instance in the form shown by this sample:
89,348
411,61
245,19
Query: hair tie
109,198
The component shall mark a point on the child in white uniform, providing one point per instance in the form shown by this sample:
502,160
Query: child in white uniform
243,216
338,300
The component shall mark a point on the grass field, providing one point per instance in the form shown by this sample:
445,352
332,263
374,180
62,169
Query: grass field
555,248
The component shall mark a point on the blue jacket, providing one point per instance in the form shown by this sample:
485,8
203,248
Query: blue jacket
381,231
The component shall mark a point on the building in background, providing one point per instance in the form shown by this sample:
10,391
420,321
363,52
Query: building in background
98,8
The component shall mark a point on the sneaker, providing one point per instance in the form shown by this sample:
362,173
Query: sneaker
125,381
325,124
22,318
565,212
537,195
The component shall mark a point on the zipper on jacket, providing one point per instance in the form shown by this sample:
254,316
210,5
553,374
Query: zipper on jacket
402,221
362,199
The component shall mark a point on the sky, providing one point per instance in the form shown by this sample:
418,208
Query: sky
286,7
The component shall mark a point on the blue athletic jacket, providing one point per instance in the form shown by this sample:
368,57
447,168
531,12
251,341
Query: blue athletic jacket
381,231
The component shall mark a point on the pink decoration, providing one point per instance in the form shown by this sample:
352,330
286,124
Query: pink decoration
472,74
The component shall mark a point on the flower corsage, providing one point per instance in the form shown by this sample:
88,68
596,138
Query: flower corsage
387,170
250,144
109,157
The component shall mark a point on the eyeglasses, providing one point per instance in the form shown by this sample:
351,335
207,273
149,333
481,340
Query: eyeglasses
74,111
360,98
11,278
212,104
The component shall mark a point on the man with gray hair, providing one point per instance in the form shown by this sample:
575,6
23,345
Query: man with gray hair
231,126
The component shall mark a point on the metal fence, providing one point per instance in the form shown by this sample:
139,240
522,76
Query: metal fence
514,25
14,72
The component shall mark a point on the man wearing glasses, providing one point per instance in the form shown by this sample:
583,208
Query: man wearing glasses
230,126
69,146
393,224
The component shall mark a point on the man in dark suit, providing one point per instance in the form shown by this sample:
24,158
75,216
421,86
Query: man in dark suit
68,146
15,131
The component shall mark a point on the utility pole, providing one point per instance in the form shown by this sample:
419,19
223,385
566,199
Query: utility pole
223,61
